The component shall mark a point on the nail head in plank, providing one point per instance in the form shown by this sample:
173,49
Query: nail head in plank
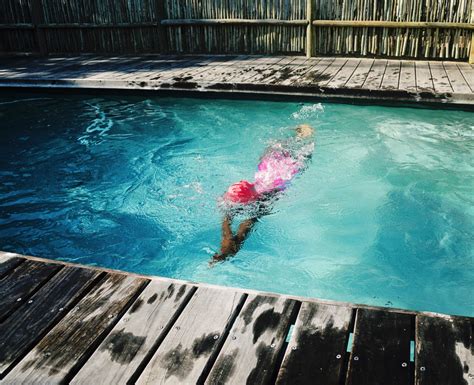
16,287
444,351
316,351
185,351
146,322
49,304
62,350
381,350
250,353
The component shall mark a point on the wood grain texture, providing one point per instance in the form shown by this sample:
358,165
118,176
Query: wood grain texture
49,304
184,353
440,78
375,75
16,287
467,72
317,349
391,77
8,261
250,353
444,351
357,79
424,81
457,81
381,350
145,323
62,350
407,80
343,75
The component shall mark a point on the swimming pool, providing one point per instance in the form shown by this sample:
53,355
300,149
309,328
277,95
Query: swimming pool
383,215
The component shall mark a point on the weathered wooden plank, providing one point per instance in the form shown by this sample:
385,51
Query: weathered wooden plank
146,323
391,77
440,78
8,261
199,330
298,72
424,82
375,75
468,74
360,74
456,79
314,74
407,76
317,348
25,326
62,351
341,78
250,353
330,72
381,350
444,351
16,287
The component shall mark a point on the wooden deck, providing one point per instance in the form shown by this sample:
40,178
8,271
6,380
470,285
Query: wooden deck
327,77
63,323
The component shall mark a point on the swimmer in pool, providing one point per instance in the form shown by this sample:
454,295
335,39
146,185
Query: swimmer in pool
280,163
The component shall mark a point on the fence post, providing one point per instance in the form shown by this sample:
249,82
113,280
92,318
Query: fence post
160,15
37,19
471,56
309,28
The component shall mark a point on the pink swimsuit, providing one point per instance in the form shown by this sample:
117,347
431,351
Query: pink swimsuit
275,170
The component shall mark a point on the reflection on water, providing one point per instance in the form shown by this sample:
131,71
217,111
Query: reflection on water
383,215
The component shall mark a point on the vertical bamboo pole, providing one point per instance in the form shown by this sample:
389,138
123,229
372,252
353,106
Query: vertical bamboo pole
162,30
471,56
309,29
36,19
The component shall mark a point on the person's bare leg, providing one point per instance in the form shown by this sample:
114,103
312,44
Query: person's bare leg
243,231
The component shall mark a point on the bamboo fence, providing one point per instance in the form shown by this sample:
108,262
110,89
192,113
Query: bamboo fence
435,29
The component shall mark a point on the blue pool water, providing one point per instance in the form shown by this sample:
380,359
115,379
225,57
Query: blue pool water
383,215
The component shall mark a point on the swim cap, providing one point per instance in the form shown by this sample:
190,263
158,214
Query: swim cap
241,192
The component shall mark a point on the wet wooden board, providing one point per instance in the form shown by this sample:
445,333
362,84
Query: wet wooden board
199,330
25,326
407,76
57,355
445,351
440,78
343,75
375,75
457,81
8,261
468,74
399,80
391,77
424,81
16,287
128,344
249,355
317,350
314,74
381,350
83,326
360,74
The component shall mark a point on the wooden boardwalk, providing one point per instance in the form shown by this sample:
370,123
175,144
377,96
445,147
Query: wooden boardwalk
327,77
64,323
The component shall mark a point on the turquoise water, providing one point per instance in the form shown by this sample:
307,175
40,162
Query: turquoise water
383,215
